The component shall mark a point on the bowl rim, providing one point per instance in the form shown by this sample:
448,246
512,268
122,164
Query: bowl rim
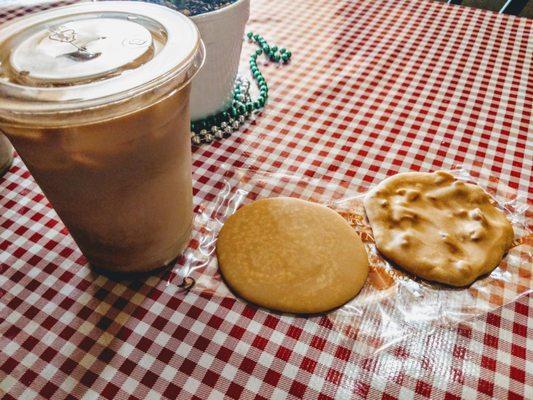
216,13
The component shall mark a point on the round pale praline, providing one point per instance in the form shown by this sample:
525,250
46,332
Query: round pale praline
291,255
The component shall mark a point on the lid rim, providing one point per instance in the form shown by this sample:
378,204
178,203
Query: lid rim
86,105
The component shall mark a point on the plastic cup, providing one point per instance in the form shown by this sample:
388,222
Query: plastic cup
95,99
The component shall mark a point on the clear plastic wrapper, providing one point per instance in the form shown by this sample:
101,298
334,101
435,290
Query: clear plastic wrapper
393,304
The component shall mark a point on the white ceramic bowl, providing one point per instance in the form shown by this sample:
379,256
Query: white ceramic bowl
222,32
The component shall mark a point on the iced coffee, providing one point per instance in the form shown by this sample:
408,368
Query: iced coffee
95,98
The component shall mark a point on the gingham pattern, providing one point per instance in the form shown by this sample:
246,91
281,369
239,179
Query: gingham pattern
374,87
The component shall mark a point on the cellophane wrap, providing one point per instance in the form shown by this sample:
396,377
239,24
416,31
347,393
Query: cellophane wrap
393,304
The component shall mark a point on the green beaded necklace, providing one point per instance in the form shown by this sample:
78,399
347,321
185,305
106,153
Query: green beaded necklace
223,124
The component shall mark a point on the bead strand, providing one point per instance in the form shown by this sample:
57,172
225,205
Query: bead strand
223,124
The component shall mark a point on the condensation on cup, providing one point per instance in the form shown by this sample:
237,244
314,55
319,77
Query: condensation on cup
6,155
95,99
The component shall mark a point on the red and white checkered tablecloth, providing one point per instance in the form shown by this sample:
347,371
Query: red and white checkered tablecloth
374,87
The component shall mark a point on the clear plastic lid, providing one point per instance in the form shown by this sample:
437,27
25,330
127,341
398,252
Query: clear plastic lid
92,55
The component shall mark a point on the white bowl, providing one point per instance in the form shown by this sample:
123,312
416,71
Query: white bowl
222,32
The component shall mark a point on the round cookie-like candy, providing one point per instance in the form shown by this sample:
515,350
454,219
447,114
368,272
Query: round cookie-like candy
291,255
437,227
